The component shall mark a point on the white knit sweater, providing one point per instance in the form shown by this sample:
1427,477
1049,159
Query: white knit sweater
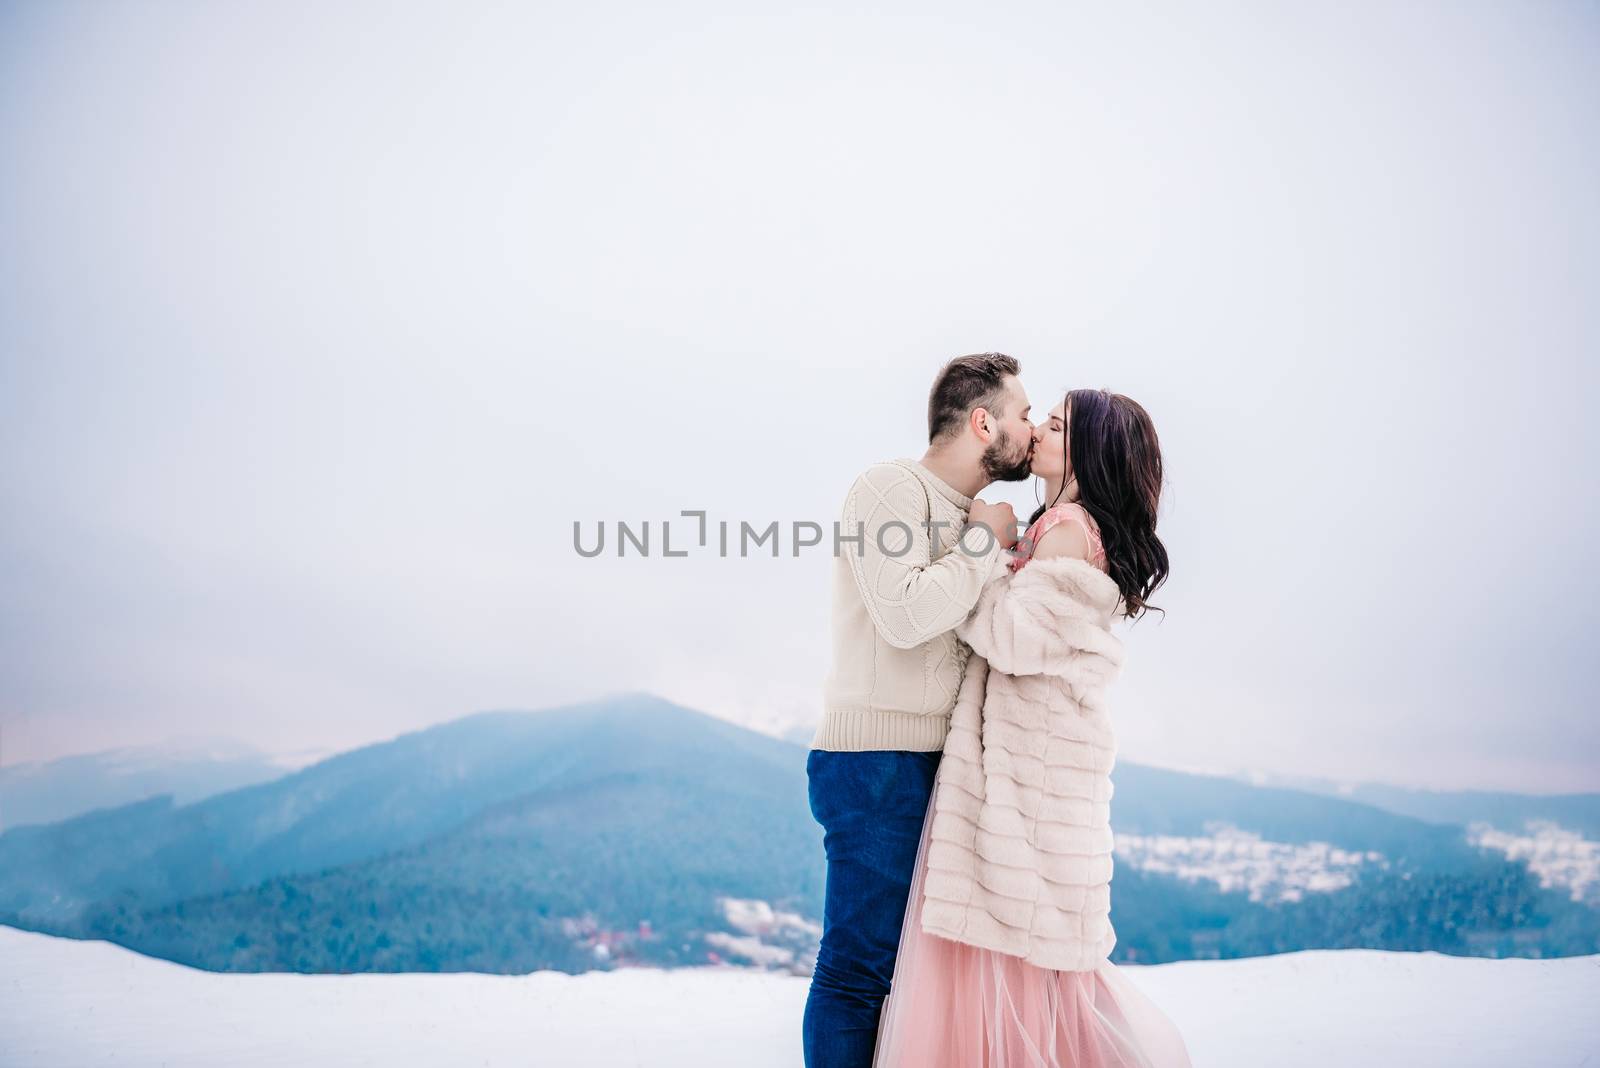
897,664
1019,853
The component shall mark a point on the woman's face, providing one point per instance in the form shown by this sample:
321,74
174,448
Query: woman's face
1050,460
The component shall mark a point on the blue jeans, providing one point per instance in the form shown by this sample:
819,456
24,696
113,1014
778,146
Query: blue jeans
871,806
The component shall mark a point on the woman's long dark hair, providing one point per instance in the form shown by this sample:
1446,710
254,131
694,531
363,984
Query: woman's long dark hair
1116,459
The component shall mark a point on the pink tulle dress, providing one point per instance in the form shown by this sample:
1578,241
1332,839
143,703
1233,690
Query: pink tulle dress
954,1005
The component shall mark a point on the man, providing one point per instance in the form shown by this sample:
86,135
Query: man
898,592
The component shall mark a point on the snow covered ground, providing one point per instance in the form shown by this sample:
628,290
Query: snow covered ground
70,1003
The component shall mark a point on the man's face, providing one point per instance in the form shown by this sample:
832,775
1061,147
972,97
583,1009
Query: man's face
1009,456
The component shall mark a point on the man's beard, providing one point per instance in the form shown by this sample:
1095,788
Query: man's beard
1002,464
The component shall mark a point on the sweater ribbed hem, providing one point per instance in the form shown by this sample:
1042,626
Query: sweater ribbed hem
859,730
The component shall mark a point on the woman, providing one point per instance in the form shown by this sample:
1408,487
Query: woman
1003,959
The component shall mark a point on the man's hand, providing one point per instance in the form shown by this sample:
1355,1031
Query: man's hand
999,518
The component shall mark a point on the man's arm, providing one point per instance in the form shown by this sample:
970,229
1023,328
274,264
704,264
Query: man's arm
909,599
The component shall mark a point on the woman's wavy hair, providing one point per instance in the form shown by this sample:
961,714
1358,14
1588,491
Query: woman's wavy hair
1116,458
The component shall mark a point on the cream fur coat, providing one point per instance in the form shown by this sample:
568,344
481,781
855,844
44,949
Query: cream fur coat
1019,852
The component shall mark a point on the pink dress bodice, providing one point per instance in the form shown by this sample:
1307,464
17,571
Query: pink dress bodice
1066,511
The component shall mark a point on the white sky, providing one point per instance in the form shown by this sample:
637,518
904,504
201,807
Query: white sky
320,326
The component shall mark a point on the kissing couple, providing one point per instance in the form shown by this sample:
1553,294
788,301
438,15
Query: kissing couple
961,768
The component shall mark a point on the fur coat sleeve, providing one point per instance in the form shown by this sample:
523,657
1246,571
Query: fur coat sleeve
1019,854
1050,618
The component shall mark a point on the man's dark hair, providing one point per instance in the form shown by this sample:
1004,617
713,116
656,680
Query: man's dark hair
965,383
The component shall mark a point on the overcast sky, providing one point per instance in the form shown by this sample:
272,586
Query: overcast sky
320,327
